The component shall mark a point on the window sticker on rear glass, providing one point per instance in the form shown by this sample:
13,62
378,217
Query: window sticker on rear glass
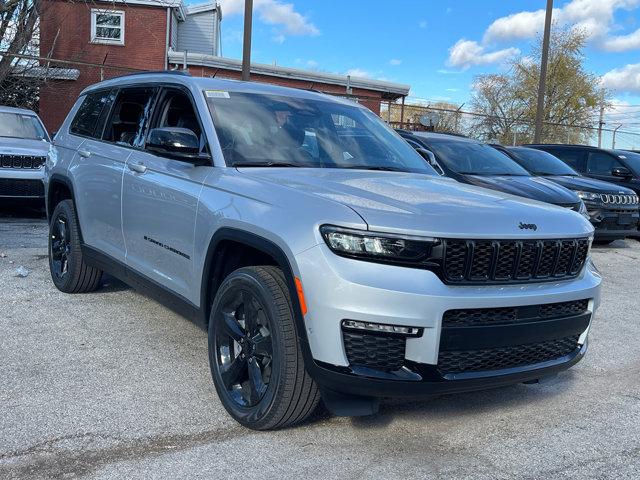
216,94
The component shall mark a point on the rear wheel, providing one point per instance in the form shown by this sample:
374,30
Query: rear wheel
69,272
254,353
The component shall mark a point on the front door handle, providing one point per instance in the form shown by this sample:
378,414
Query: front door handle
84,153
137,167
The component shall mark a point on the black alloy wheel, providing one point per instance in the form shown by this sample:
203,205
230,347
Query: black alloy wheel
255,355
69,272
244,349
60,246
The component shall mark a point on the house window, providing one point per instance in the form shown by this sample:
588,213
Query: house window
107,26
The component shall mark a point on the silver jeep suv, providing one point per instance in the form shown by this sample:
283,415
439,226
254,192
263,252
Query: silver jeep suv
324,256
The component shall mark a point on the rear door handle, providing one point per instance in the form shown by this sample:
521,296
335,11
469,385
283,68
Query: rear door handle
137,167
84,153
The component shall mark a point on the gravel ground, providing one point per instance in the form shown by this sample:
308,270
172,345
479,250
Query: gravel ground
113,385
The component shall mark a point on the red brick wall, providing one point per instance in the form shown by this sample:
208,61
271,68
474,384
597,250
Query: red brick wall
144,48
369,98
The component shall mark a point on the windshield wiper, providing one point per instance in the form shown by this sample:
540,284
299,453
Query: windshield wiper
380,168
264,164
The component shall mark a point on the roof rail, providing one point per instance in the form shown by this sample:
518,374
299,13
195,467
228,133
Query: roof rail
155,72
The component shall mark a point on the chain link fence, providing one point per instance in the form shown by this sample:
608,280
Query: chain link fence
495,129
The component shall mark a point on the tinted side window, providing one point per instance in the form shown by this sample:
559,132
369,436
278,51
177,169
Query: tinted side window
89,118
599,163
174,109
573,158
130,116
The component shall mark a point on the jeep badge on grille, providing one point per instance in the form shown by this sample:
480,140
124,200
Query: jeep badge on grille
528,226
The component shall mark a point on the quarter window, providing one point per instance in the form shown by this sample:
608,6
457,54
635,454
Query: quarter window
107,26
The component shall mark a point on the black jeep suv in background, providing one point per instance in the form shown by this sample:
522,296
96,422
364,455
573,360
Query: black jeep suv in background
620,167
476,163
613,210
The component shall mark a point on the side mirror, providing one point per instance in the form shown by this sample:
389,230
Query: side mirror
178,143
622,172
431,159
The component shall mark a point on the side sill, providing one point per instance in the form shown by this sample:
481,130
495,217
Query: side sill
145,285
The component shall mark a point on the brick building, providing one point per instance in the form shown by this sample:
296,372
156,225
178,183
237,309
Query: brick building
115,37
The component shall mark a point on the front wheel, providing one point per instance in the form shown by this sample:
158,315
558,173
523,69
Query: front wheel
254,352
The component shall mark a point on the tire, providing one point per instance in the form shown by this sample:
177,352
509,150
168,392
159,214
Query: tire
262,389
69,272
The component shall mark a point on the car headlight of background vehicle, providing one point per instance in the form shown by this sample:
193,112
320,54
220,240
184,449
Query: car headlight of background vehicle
588,196
382,247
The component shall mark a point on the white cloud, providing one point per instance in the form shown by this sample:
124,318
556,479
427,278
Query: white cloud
357,72
280,38
515,26
312,64
624,79
395,61
444,71
274,12
621,43
595,17
422,24
467,53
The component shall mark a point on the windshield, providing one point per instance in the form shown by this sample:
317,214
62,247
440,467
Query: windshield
272,130
632,159
541,163
474,158
18,125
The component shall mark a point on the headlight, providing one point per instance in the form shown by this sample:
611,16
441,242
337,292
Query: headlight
588,196
400,249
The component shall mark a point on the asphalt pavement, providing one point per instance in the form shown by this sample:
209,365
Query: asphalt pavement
113,385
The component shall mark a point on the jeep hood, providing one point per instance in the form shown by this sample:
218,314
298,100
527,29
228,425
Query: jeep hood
586,184
415,204
23,146
535,188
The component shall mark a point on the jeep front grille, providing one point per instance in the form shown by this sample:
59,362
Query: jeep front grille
623,199
29,162
508,261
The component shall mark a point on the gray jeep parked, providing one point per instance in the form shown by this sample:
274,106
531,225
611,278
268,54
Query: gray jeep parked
24,144
325,257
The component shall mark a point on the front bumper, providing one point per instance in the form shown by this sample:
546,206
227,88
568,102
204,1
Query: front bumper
338,288
21,183
614,223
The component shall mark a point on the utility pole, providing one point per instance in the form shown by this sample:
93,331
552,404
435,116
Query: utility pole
246,43
543,72
601,121
613,142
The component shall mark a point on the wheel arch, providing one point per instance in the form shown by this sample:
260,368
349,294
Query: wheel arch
59,188
213,273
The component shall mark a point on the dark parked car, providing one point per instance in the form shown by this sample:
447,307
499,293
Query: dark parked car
612,210
476,163
616,166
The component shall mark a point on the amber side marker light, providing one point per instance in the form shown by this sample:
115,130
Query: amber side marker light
303,303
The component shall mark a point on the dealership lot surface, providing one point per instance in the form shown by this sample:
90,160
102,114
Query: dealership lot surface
113,385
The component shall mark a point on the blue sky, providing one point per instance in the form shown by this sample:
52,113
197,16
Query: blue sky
436,47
